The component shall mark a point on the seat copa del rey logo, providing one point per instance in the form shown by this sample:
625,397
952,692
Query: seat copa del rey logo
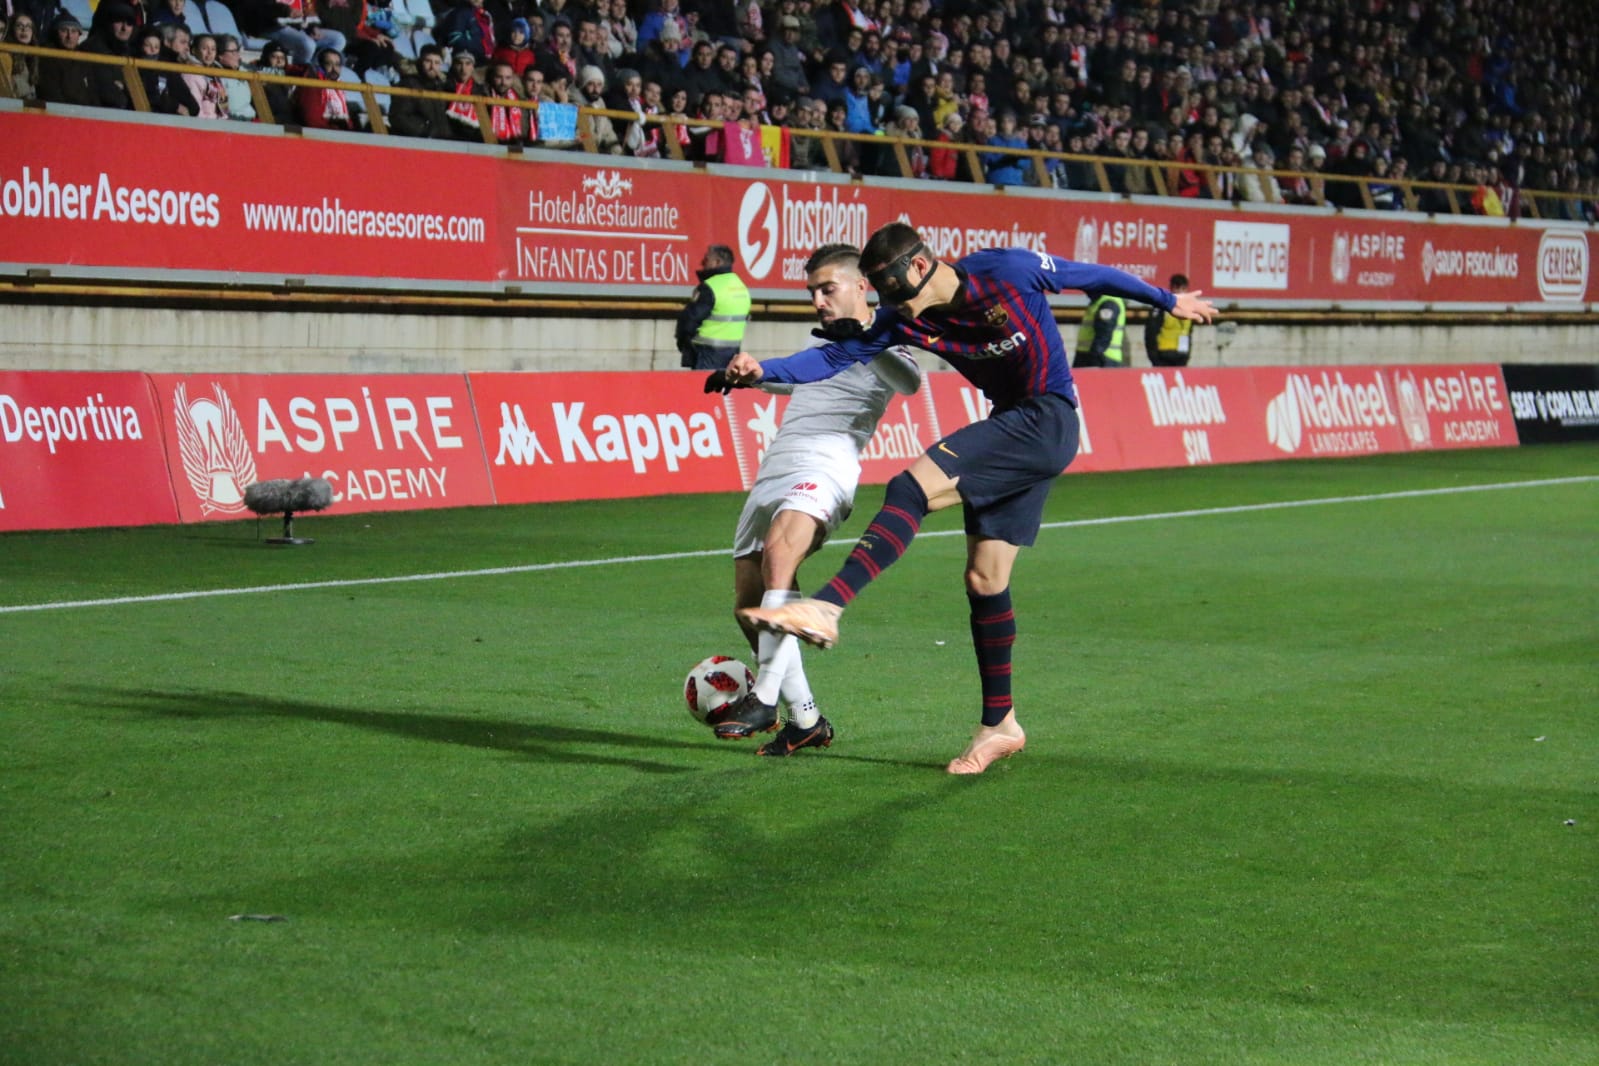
773,225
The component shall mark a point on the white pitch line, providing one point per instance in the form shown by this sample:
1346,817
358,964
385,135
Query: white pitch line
533,568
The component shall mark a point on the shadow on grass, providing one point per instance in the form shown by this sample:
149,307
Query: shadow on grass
532,740
525,739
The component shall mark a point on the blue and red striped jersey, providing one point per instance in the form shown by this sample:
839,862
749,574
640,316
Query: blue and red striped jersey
998,331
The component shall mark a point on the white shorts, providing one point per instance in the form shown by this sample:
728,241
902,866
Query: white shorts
826,496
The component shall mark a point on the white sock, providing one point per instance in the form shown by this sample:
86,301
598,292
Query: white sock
797,691
775,652
804,713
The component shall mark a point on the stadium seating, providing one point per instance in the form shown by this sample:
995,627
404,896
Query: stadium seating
1255,102
220,18
380,78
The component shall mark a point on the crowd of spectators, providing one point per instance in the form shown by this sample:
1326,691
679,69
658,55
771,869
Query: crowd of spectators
1495,95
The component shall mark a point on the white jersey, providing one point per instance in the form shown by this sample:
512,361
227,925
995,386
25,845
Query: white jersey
833,420
814,462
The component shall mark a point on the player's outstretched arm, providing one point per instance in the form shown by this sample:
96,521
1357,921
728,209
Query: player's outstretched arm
744,370
1190,306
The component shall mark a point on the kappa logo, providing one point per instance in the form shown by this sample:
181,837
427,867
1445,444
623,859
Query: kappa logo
217,460
519,444
1340,258
757,229
608,184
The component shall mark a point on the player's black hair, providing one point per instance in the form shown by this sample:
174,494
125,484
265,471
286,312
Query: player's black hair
834,255
888,244
1179,281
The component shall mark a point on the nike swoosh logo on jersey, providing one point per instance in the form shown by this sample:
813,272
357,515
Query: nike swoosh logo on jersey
945,449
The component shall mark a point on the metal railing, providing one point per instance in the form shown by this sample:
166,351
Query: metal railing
1159,175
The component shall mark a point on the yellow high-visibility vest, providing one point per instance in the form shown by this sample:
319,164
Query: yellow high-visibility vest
1174,334
731,312
1116,352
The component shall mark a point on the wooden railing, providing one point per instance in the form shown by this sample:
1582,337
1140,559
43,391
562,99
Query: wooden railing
1160,175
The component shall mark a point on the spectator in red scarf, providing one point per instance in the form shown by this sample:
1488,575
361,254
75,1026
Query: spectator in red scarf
510,123
323,109
464,123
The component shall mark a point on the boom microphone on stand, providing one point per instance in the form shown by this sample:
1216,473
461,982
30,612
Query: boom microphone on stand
281,495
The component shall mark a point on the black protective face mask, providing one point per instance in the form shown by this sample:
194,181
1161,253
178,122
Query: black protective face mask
892,280
840,329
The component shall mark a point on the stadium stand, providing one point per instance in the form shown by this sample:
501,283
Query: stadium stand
1476,106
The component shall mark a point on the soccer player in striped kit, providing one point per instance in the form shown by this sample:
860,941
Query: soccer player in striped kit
988,316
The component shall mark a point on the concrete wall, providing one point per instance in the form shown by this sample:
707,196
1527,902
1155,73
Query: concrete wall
35,337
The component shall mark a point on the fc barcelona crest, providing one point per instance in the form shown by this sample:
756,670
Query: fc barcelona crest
997,316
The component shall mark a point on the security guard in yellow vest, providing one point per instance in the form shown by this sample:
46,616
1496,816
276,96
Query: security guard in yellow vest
1168,339
1100,338
710,330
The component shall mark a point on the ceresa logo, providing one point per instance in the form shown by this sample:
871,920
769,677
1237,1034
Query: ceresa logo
1250,255
217,460
1427,260
757,229
1562,265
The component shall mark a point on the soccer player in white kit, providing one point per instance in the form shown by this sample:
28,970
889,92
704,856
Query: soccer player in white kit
804,491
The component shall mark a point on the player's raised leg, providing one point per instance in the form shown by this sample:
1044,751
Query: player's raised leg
988,568
911,495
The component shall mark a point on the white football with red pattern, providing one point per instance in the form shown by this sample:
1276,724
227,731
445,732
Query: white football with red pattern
714,683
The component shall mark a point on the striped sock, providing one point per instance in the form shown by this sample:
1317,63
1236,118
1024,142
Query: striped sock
885,540
993,635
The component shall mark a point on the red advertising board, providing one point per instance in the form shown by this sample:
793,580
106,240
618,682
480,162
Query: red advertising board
81,449
592,436
1454,406
146,199
85,449
1181,417
1325,412
958,403
389,442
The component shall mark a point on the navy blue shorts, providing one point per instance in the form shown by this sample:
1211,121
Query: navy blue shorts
1007,464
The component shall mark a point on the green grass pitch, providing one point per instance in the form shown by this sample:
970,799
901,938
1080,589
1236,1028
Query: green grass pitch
1304,785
